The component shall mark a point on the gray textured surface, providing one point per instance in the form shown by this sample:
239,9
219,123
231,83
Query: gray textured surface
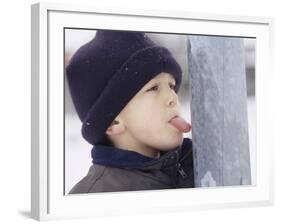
219,111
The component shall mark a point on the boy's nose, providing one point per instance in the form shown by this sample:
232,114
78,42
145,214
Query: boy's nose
172,99
172,103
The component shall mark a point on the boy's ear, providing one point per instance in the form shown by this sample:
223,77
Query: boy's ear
117,127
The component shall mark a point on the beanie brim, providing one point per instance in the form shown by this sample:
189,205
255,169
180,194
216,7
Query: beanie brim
139,69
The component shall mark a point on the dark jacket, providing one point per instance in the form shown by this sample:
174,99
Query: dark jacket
116,169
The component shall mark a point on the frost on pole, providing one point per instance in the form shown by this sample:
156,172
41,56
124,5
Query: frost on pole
219,111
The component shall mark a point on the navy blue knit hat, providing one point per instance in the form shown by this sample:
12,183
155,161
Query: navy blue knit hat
107,72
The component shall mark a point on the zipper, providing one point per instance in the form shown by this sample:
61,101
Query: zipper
181,171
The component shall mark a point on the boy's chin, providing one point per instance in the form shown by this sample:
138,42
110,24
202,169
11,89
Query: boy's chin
172,144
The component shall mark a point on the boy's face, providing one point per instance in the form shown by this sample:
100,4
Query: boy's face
146,117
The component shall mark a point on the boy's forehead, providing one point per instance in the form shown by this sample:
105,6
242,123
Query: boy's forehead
164,75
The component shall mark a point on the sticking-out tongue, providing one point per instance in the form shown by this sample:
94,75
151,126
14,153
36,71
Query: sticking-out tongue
180,124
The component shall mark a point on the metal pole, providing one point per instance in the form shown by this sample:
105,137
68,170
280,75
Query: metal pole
219,111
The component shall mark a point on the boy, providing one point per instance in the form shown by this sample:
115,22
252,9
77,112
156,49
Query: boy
124,88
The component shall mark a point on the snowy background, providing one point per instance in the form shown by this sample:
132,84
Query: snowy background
77,150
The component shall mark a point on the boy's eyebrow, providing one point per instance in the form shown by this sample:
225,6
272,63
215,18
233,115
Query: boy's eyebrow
158,81
152,83
173,81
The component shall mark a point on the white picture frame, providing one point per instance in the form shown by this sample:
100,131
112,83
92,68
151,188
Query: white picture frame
48,200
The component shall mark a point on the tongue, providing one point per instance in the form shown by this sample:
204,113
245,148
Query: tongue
180,124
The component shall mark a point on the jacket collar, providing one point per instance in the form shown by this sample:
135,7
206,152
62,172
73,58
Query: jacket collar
112,156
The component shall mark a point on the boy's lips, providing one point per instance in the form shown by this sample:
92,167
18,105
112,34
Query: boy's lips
175,116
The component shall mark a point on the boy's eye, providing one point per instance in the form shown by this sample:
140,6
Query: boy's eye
173,86
154,88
